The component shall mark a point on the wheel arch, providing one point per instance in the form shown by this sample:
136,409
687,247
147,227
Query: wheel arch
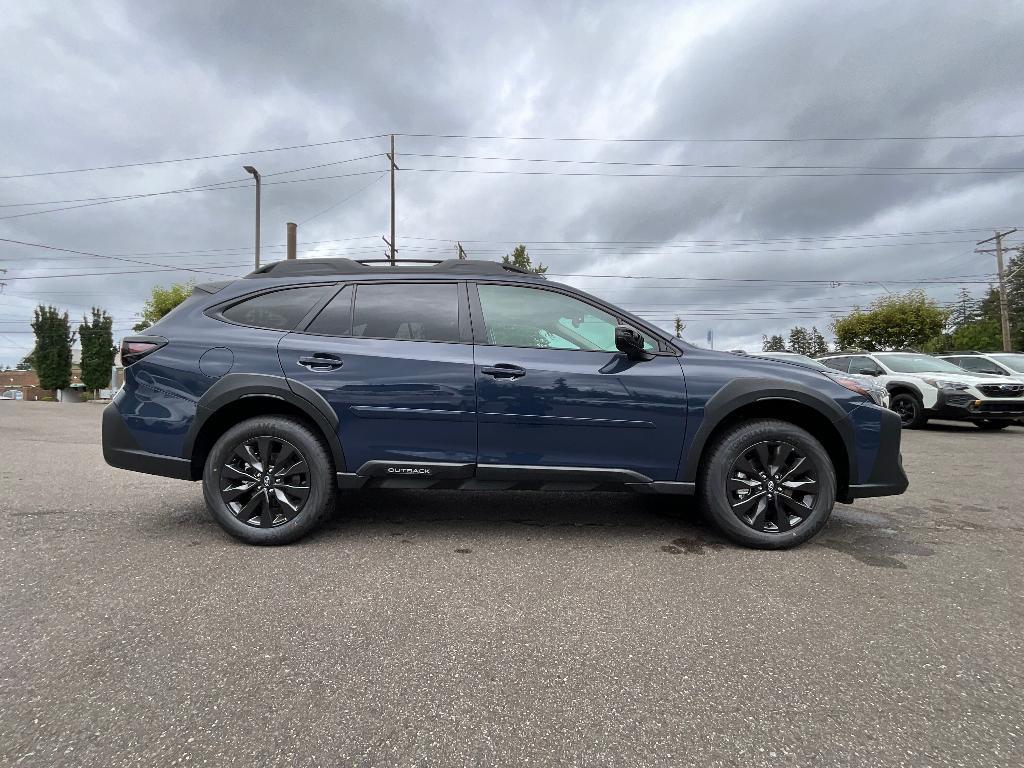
236,397
744,400
904,387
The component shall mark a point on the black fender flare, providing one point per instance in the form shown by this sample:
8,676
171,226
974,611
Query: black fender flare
236,386
741,392
891,385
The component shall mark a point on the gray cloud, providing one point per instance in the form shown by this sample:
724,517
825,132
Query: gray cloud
118,83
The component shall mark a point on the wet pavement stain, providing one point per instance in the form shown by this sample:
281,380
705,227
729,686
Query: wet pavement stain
463,550
691,546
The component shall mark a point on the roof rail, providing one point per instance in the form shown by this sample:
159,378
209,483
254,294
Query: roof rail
963,352
342,266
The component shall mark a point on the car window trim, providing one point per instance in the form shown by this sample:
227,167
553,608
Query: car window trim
480,329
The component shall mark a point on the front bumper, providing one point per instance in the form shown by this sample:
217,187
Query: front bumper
887,477
959,406
120,450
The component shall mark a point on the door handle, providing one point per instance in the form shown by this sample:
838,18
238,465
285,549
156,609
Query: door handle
504,371
320,362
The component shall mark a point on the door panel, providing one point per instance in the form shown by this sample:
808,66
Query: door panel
395,400
541,404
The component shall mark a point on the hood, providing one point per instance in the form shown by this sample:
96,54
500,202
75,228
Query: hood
972,379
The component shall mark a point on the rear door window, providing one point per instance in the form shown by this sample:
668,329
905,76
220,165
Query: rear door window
407,311
279,310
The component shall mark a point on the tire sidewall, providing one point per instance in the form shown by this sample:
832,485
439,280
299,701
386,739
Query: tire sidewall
321,479
918,406
720,460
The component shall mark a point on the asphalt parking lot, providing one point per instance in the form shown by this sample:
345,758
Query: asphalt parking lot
457,628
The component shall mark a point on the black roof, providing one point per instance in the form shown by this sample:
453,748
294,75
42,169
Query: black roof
314,267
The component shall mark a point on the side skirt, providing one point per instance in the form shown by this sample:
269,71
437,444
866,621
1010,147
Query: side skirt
512,477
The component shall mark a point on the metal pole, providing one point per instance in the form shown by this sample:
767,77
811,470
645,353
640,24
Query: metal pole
256,175
393,166
1004,308
292,235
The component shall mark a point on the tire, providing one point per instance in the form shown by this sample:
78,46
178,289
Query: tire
275,507
910,410
991,426
761,525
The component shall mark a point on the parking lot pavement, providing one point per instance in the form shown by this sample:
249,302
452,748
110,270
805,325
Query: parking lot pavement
457,628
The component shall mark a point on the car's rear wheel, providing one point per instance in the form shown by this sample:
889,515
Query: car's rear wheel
768,484
910,410
269,480
990,425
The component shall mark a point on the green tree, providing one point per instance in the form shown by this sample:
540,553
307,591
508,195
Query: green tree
800,341
161,301
773,344
911,319
98,350
965,310
52,354
680,327
521,259
818,344
26,362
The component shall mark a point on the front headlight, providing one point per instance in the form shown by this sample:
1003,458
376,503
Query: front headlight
850,384
943,384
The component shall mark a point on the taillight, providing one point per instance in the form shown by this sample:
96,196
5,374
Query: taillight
134,348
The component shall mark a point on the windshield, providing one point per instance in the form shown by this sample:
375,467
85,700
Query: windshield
802,359
919,364
1015,362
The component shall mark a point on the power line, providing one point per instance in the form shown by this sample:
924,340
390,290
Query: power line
747,176
638,164
717,140
190,159
343,200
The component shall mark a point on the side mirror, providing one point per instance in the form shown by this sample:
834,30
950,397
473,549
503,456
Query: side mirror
630,342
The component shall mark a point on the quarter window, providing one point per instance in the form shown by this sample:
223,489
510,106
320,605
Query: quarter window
280,310
532,317
417,312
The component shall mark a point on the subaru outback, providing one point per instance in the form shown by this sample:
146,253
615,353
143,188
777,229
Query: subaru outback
313,375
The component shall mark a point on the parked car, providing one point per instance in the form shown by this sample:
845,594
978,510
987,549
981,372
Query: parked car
1007,364
875,390
922,387
12,394
313,374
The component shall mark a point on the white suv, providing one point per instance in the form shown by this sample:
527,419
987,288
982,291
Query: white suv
1008,364
922,387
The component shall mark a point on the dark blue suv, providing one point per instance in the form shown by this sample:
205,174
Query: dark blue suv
311,375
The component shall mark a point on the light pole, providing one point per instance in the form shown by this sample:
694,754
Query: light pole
256,175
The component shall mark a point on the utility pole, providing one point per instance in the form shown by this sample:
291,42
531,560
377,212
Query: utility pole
292,235
256,175
461,251
394,167
1004,309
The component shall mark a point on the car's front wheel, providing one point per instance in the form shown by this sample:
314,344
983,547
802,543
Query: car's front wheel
910,410
269,480
768,484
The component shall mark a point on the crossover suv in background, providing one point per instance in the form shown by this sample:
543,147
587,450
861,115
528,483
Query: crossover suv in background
878,393
1007,364
316,374
922,387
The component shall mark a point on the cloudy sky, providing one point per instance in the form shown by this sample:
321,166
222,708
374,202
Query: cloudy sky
781,162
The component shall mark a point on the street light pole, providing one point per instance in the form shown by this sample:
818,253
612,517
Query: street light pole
256,175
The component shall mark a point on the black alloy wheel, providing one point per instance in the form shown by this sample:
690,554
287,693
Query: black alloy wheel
270,479
265,481
909,409
767,483
772,486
